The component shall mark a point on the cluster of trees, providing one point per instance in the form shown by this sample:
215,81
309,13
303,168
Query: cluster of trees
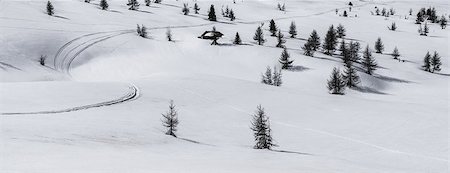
432,63
272,77
384,12
229,13
430,14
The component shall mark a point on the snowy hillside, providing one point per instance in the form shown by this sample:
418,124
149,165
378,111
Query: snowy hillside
96,103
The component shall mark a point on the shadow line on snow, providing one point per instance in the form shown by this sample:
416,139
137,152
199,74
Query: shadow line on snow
292,152
195,142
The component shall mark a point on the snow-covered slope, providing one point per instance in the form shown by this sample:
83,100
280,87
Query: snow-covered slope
396,122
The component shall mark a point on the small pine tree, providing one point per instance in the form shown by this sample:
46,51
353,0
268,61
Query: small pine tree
196,8
330,41
436,62
280,40
261,130
267,77
343,47
144,33
427,62
354,51
231,15
315,40
368,61
276,77
185,9
170,120
285,60
138,30
259,36
237,39
104,5
340,30
350,76
393,27
293,29
147,2
443,22
273,28
212,14
379,47
336,84
169,34
395,53
50,9
133,4
308,48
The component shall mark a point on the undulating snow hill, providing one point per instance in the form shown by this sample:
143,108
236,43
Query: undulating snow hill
96,106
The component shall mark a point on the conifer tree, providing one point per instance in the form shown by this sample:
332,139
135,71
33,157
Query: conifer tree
133,4
340,30
212,14
427,62
336,84
285,60
280,40
379,47
273,28
87,1
169,34
138,30
354,50
395,53
419,18
170,120
50,9
276,77
147,2
393,27
185,9
330,41
426,29
293,29
237,39
315,40
368,61
231,15
259,36
261,130
267,77
343,47
443,22
196,8
350,76
104,5
308,48
42,60
436,62
158,1
143,32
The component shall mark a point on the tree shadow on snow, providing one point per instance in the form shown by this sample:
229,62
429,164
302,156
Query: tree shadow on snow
391,79
366,89
297,68
195,142
144,11
292,152
62,17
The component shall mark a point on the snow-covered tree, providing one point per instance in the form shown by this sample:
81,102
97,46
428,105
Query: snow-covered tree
196,8
336,84
368,61
293,29
379,47
261,130
330,41
185,9
285,60
133,4
212,14
273,28
170,120
427,62
50,9
104,5
436,62
259,36
237,39
340,30
267,77
280,40
395,53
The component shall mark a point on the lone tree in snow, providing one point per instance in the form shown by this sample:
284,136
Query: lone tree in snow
395,53
259,36
50,9
330,41
340,30
185,9
308,48
336,84
104,5
443,22
280,40
237,39
169,34
170,120
436,62
368,61
393,27
285,60
196,8
315,40
379,47
148,2
350,76
212,14
427,62
293,30
273,28
133,4
42,60
267,77
261,130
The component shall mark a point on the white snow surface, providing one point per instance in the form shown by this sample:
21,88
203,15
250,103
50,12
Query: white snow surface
397,123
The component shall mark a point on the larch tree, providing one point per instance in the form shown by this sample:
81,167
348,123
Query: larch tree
170,120
259,36
280,40
212,14
395,53
340,30
379,47
104,5
350,75
261,130
133,4
293,30
285,60
427,62
196,8
50,8
368,61
330,41
315,40
336,84
273,28
436,62
237,39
